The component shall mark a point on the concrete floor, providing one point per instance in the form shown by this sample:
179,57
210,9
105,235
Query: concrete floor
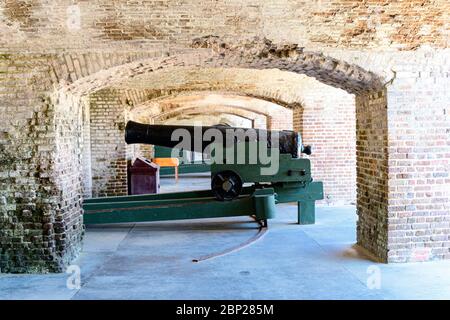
154,261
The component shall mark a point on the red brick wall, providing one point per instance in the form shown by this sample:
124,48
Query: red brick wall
419,164
327,123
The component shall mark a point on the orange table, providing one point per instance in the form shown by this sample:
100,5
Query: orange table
168,162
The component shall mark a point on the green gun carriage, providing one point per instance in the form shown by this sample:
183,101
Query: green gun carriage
246,178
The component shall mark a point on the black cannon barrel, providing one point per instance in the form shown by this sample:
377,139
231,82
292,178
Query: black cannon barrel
289,142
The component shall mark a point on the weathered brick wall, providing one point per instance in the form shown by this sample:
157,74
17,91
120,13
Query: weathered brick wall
144,24
41,159
41,226
67,223
39,198
26,197
86,182
372,173
108,151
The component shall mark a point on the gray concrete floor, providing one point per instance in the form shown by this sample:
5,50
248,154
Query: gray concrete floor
154,261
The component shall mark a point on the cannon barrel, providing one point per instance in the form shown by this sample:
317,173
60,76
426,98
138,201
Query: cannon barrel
289,142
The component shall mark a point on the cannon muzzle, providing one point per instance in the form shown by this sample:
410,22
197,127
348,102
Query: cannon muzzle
289,142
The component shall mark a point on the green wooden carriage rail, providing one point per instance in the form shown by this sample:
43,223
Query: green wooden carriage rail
255,200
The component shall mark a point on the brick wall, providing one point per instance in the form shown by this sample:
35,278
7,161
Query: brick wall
66,24
34,222
109,112
372,173
40,199
43,151
40,193
66,223
108,152
86,148
419,162
327,121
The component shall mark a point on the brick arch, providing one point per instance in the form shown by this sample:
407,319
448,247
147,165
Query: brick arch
258,119
228,117
199,111
278,117
261,54
267,94
254,53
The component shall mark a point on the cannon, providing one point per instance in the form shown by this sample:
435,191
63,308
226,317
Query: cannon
289,142
239,163
231,170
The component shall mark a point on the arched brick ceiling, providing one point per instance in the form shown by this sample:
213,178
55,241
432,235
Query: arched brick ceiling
253,54
261,53
167,104
215,111
210,119
283,88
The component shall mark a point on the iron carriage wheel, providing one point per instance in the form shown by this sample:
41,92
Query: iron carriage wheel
226,185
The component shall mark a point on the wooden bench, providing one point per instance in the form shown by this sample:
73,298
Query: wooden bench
168,162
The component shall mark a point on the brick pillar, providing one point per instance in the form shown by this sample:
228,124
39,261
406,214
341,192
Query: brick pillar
419,164
65,223
40,162
108,149
372,173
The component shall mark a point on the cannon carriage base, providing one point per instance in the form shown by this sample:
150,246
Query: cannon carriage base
258,201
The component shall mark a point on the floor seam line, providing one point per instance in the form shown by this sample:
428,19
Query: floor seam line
103,265
343,267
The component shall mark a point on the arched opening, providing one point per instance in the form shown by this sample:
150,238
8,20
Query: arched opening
109,110
370,118
220,115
